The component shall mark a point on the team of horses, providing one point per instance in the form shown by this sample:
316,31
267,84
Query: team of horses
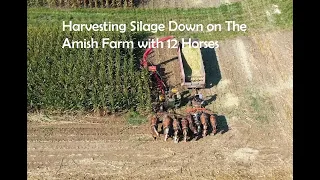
193,125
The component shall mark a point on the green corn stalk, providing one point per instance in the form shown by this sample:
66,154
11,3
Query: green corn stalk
140,91
50,3
107,4
131,75
118,74
147,91
76,76
125,4
125,80
80,78
86,3
111,83
102,78
61,3
130,3
113,4
125,75
96,68
73,3
119,3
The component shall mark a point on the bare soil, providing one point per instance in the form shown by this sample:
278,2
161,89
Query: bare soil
249,87
108,148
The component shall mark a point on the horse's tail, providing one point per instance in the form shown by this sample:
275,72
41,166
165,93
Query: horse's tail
154,132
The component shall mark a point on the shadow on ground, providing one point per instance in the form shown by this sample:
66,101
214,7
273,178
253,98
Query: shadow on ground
211,66
210,100
185,98
169,60
222,124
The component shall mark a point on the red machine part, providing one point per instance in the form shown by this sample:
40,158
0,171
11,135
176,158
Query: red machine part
193,109
144,63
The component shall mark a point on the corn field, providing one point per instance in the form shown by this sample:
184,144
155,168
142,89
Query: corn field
85,3
83,79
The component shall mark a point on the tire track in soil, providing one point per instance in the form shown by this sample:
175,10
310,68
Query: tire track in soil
127,154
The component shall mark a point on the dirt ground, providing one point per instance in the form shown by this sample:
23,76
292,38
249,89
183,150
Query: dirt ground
249,87
108,148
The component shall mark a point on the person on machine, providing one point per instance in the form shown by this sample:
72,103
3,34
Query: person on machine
199,98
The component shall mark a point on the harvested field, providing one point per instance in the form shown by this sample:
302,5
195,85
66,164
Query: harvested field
254,140
249,86
109,148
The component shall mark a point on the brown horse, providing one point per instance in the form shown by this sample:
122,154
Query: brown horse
176,129
154,127
196,117
191,124
204,122
166,125
213,122
185,128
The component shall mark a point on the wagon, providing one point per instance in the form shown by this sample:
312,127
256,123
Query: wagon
172,68
192,67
